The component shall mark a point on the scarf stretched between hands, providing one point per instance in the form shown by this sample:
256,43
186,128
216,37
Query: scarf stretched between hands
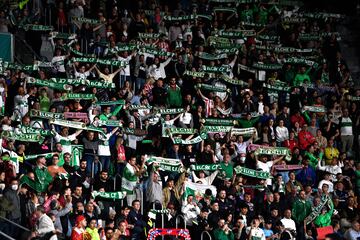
39,131
49,84
267,66
149,35
194,74
79,96
86,20
15,66
201,137
264,150
316,211
166,164
45,155
205,167
219,121
156,52
109,195
110,103
165,111
302,61
34,27
236,34
77,115
61,35
77,125
28,137
110,123
212,57
233,81
212,88
115,63
223,129
277,87
87,83
243,131
215,69
316,109
179,18
45,115
183,131
225,112
252,173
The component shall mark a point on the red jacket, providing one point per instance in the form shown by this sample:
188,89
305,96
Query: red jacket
305,139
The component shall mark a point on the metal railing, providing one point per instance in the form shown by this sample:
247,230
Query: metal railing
202,235
6,236
15,224
177,221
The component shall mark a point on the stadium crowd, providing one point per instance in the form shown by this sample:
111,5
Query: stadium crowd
233,119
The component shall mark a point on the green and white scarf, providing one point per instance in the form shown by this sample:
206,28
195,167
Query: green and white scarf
252,173
222,9
277,87
165,111
233,81
109,195
156,51
296,20
61,35
218,129
316,109
219,121
66,123
179,18
39,131
110,62
243,131
149,35
268,38
316,211
212,57
129,179
354,98
110,123
166,132
110,103
34,27
302,61
246,68
45,155
166,164
86,20
28,137
267,66
274,151
79,96
15,66
215,69
213,88
49,84
201,137
205,167
194,74
45,115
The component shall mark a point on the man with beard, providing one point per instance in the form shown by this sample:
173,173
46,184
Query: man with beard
80,177
214,216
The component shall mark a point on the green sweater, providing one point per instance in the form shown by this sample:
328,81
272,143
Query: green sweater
105,117
248,123
219,234
174,98
229,170
301,209
301,78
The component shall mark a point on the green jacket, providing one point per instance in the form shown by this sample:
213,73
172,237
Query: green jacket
357,175
324,220
219,234
300,210
229,170
313,159
248,123
301,78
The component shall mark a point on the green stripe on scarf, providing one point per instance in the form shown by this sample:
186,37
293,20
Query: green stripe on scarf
33,27
179,18
203,86
46,115
205,167
233,81
252,173
212,57
47,83
110,62
28,137
149,35
316,211
86,20
316,109
109,195
219,121
215,69
165,111
166,164
274,151
202,136
194,74
80,96
267,66
109,103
